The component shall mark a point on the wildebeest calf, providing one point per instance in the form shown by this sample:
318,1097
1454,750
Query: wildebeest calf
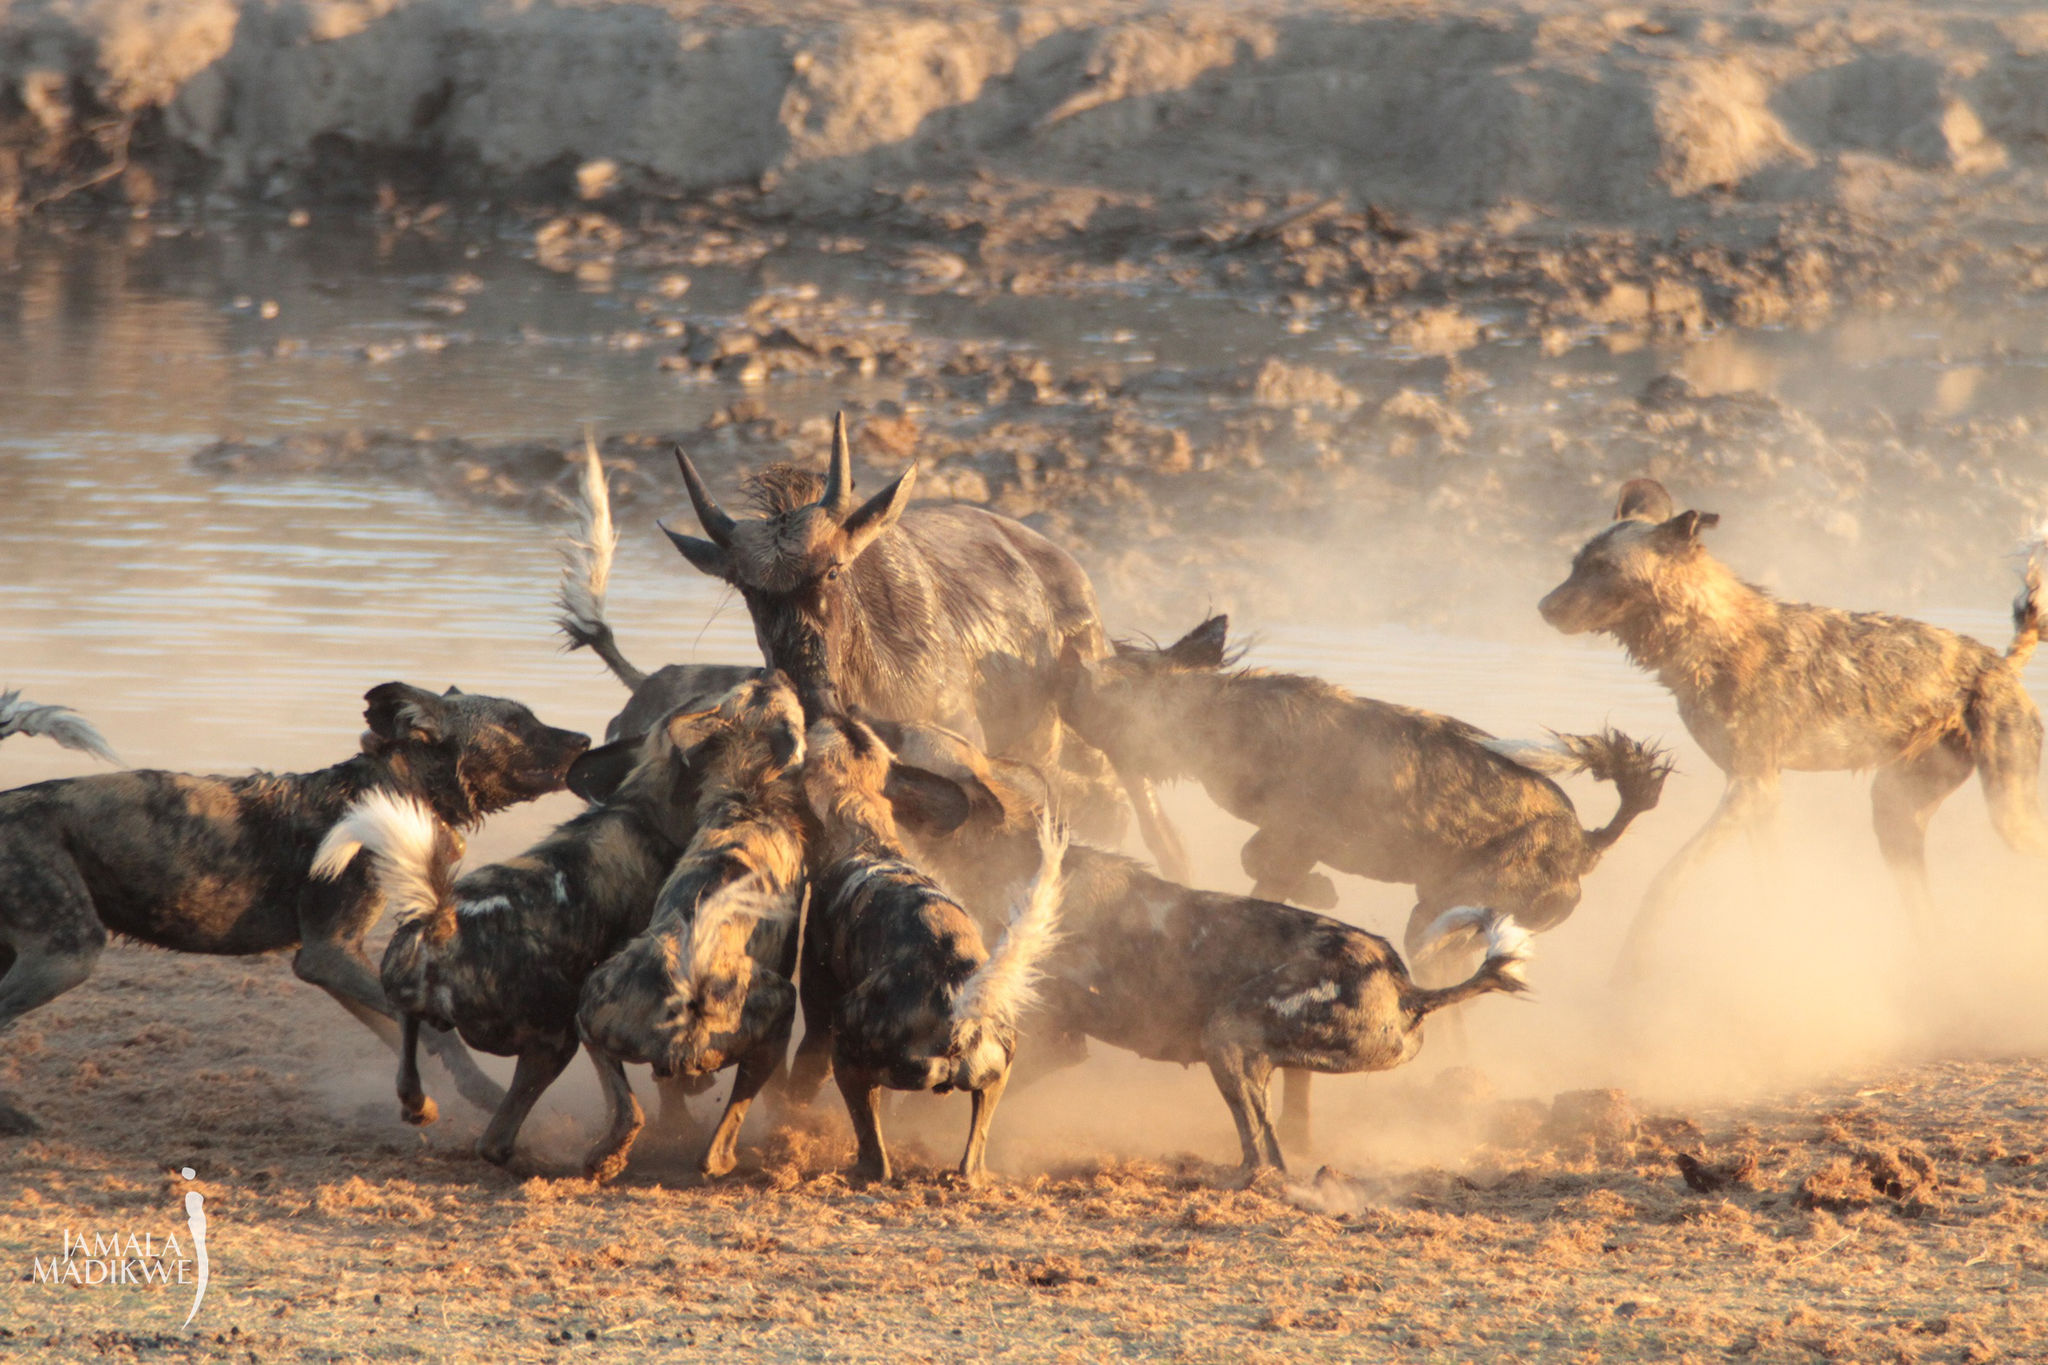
1765,685
20,716
501,955
1177,975
710,984
896,986
221,864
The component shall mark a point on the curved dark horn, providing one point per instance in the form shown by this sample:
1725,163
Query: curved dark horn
838,498
710,515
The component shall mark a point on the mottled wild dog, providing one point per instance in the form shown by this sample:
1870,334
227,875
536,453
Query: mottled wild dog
502,954
710,984
222,864
1764,686
1386,792
586,574
949,614
19,716
1177,975
897,989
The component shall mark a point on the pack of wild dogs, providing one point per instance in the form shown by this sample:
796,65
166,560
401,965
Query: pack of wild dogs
901,827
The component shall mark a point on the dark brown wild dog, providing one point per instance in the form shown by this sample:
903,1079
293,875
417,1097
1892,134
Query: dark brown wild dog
897,989
1177,975
222,864
1764,686
502,954
710,983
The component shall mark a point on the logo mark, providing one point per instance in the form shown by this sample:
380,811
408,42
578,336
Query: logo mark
195,1218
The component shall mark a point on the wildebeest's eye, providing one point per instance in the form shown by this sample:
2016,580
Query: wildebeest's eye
832,574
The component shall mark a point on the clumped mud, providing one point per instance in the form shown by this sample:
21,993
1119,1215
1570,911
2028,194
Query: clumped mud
1899,1218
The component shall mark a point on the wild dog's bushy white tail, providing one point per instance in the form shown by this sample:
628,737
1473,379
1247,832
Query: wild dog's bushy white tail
587,569
1508,945
415,852
2031,606
19,716
1004,988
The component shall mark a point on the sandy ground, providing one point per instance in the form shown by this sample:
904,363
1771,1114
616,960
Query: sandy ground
1900,1215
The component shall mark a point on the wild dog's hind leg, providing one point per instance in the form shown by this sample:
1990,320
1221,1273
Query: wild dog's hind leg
757,1067
974,1161
49,941
414,1106
1747,799
535,1072
2005,736
863,1092
1903,798
334,919
1244,1074
608,1157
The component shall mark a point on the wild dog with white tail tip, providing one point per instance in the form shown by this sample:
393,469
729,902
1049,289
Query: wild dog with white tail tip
502,954
1178,975
710,984
1765,686
221,864
897,988
1387,792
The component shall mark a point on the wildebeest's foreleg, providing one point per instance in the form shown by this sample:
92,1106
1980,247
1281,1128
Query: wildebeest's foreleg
414,1105
535,1072
776,1001
974,1161
1903,798
1747,800
607,1158
863,1091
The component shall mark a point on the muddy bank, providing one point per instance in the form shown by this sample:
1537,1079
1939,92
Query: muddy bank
1714,124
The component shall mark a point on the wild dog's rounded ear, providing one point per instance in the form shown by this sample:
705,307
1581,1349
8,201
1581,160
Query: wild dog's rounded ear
598,774
703,555
687,729
1643,500
925,801
1684,529
877,514
1201,647
399,711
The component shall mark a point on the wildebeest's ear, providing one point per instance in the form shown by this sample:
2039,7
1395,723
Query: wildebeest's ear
925,801
1201,647
877,514
399,711
597,774
706,557
1684,529
1643,500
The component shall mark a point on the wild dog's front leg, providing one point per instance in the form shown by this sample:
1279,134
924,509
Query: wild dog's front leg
974,1161
535,1072
414,1106
1746,800
606,1159
776,1002
862,1090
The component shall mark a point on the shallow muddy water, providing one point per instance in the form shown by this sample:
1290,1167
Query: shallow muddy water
210,624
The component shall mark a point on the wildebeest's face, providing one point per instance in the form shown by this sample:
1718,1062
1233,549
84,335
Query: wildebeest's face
795,564
469,755
1630,565
1112,703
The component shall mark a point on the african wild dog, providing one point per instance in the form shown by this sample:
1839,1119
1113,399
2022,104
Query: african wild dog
710,983
897,989
1764,686
1185,976
502,954
948,614
220,864
1386,792
19,716
586,573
